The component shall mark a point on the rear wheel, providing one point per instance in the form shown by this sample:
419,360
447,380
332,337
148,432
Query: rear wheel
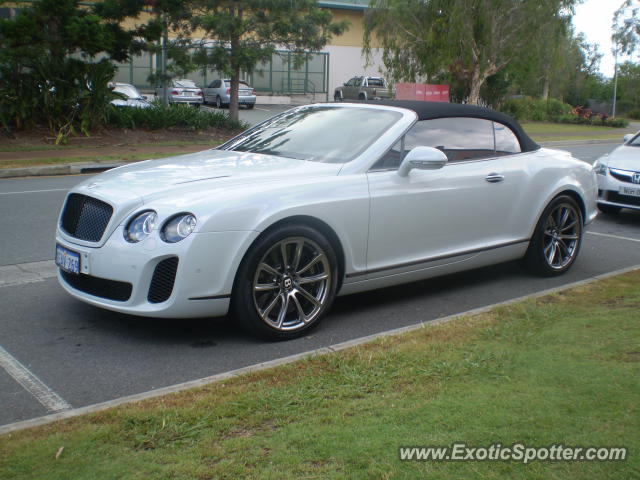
609,209
557,238
250,106
218,102
286,283
362,96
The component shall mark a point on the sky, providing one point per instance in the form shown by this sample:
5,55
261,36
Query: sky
594,19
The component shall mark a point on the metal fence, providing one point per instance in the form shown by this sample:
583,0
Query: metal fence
284,74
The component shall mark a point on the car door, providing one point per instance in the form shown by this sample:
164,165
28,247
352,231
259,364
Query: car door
210,91
441,215
349,89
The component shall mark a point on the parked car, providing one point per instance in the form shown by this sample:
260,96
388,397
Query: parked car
319,201
133,98
183,91
363,88
219,93
619,177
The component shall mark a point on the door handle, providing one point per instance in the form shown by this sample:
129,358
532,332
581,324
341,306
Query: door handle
494,178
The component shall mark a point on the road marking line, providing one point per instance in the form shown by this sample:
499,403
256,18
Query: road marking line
36,191
263,109
138,397
618,237
32,384
23,273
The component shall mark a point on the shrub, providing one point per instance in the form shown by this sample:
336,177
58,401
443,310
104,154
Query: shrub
535,109
634,114
617,123
595,120
160,116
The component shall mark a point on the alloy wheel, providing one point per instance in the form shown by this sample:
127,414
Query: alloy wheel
561,236
291,284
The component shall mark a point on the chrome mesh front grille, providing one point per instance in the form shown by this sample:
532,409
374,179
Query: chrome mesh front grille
85,218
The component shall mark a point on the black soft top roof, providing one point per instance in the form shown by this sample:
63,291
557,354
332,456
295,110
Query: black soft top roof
431,110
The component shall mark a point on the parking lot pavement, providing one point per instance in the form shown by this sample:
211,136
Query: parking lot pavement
88,355
85,355
258,114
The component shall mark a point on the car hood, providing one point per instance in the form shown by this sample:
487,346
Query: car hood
625,158
202,171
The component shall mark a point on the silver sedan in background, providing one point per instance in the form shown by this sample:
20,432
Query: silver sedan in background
183,91
219,93
619,177
133,98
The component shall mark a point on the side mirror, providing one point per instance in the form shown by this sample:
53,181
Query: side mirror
422,158
628,137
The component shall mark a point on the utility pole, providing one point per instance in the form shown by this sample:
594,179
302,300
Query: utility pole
615,81
165,42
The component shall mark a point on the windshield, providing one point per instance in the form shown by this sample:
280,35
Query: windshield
317,134
184,83
128,90
635,141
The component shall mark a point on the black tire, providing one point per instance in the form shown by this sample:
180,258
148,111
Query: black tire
261,295
362,97
609,209
337,97
551,238
250,106
219,103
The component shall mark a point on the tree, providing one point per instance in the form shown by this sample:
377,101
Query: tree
239,34
471,40
55,62
626,26
164,17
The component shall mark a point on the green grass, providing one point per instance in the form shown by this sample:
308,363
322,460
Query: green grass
547,131
560,369
53,148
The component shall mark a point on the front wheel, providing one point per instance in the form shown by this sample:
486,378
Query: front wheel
337,97
286,283
557,238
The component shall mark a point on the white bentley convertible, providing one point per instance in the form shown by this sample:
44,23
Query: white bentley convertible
322,200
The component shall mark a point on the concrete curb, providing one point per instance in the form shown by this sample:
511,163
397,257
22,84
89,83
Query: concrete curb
64,169
35,422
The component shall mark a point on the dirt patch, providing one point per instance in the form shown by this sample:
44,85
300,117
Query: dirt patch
39,144
41,137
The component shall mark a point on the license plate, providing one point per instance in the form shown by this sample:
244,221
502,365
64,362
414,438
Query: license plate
634,192
67,260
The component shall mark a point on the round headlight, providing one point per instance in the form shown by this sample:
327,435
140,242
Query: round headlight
178,227
140,226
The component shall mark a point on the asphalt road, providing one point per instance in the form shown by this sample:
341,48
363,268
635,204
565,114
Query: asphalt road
83,355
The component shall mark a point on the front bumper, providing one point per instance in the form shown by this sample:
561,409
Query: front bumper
206,266
242,99
609,192
186,99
